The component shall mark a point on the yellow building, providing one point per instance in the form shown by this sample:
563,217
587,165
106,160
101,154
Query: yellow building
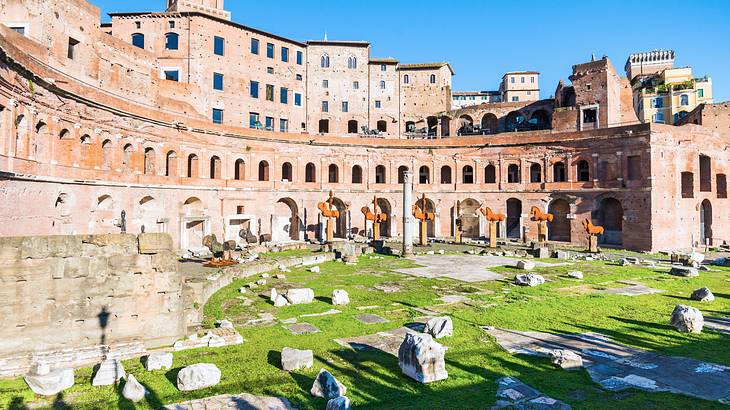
668,96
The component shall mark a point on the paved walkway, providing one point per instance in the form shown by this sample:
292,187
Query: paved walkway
234,402
466,268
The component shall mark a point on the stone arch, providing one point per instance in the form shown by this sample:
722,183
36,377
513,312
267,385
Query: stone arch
467,174
514,120
465,124
445,126
106,154
430,225
490,174
171,163
151,211
514,218
490,123
324,126
194,228
215,167
380,174
402,173
193,166
382,125
310,172
387,209
610,216
356,174
560,227
583,170
446,174
42,144
706,222
559,172
432,124
263,170
285,223
468,213
104,203
193,206
424,175
333,174
239,172
535,172
352,127
149,161
540,119
340,230
64,134
127,153
21,134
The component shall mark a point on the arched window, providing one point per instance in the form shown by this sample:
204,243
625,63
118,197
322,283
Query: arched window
684,99
446,174
263,171
467,174
192,166
352,62
239,173
424,175
559,172
310,173
513,174
382,126
402,173
171,41
149,161
333,173
106,153
584,174
324,61
406,79
356,174
64,134
286,172
535,173
171,164
127,158
352,127
85,139
215,167
490,174
432,79
380,174
382,85
138,40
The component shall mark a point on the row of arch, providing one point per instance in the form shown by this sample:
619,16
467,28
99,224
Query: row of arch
489,123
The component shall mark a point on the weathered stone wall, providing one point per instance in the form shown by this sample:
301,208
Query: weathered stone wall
75,292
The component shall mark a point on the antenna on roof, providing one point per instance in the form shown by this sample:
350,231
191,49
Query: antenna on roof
325,35
593,56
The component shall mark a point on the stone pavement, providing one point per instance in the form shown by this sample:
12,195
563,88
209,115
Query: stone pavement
617,367
720,324
234,402
388,341
512,393
466,268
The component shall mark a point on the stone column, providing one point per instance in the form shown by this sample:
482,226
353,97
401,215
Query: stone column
407,214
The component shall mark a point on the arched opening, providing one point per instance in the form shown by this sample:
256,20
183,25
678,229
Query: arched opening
583,171
465,125
402,174
340,230
21,134
382,126
333,173
310,173
324,61
171,164
469,217
706,222
514,218
63,135
352,127
490,174
559,174
239,173
535,173
540,120
192,237
356,174
490,123
432,124
104,203
171,41
138,40
41,140
385,208
610,216
445,126
127,156
285,222
263,171
430,225
560,225
513,174
514,121
215,167
424,175
192,166
150,213
286,172
380,174
149,161
324,126
445,174
467,174
106,154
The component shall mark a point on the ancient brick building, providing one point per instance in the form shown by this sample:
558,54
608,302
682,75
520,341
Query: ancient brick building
193,124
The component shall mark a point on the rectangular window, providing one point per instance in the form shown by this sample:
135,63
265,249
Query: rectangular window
270,70
21,30
512,80
522,80
269,92
532,80
217,116
253,120
700,92
659,118
172,75
269,50
345,106
269,123
657,102
283,125
171,24
529,92
299,57
634,165
515,99
383,67
325,84
254,46
325,106
218,81
721,181
297,99
284,95
377,104
285,54
688,189
72,45
355,85
254,89
298,77
218,45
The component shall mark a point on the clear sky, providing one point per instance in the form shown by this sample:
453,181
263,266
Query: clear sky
484,39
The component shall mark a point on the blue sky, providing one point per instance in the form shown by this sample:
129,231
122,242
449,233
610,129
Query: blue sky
484,39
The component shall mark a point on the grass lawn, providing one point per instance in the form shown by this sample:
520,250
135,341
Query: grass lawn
474,360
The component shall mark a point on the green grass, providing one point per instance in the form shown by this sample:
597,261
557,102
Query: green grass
474,360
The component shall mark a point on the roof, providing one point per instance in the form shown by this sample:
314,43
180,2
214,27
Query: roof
208,16
476,93
519,72
426,66
384,60
338,43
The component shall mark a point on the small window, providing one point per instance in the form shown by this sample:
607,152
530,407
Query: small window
217,116
535,173
218,81
383,67
269,70
298,77
355,85
584,174
352,62
269,123
269,92
382,85
171,24
522,80
490,174
297,99
171,41
325,83
515,98
138,40
532,80
72,46
380,174
688,188
253,120
432,79
657,102
512,80
467,174
684,99
324,61
20,29
138,24
721,181
513,174
590,115
325,106
254,89
284,95
269,50
219,45
300,57
378,104
283,125
634,165
254,46
705,174
382,126
406,79
700,92
285,54
172,75
345,106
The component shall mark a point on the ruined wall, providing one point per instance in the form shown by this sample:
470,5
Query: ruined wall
64,292
715,116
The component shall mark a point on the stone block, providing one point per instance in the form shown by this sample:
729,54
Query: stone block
133,390
325,385
339,403
198,376
300,296
439,327
151,243
164,262
50,383
687,319
566,359
340,297
41,247
529,279
684,271
158,361
422,359
109,372
702,295
293,359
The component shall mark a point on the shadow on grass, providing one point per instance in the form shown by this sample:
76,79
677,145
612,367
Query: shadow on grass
17,403
171,375
274,358
325,299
